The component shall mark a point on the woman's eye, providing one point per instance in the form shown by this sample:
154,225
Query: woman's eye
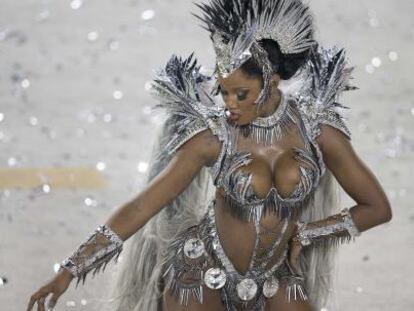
242,95
223,93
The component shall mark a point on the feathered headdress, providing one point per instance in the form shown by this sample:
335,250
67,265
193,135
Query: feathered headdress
237,27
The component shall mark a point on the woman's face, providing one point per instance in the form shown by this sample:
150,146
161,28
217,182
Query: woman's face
239,92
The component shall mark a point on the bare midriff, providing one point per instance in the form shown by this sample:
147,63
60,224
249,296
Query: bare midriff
238,237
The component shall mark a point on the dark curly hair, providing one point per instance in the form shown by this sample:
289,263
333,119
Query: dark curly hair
285,65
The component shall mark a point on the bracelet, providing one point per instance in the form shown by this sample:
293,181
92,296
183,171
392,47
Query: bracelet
344,226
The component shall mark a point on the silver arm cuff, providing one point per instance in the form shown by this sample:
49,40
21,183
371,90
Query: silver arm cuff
338,228
101,246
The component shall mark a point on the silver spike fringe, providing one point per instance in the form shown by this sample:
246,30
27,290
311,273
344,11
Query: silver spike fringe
267,130
326,77
236,24
80,264
342,230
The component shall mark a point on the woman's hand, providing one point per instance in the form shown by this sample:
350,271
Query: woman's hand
57,286
295,247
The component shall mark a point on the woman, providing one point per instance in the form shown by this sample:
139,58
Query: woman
264,239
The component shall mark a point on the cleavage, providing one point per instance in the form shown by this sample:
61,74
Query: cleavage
272,167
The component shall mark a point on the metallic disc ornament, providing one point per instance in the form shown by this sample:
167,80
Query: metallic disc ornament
270,287
215,278
246,289
194,248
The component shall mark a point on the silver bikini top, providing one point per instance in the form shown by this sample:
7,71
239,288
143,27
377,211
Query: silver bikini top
181,88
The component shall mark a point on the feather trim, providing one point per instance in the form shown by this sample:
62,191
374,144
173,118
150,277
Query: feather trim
179,89
326,77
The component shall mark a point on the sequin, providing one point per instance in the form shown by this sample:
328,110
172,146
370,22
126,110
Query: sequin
215,278
246,289
194,248
270,287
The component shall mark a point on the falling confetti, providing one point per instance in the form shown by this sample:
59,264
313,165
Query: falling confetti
76,4
100,166
147,14
118,94
142,167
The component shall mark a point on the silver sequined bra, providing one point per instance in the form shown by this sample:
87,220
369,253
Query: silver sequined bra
240,196
237,185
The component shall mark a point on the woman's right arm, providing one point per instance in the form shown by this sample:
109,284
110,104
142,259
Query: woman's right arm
201,150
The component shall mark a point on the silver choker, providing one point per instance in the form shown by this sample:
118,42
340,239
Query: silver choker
266,130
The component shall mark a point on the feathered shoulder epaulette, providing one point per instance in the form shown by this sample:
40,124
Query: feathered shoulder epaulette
180,89
326,77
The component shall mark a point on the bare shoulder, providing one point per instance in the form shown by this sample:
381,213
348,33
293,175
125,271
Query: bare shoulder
204,146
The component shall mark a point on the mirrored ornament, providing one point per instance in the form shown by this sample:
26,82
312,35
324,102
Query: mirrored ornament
246,289
270,287
215,278
194,248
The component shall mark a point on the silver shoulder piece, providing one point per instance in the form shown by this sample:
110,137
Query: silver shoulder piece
95,253
326,77
180,88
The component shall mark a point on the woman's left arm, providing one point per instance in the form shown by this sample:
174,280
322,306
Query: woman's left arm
372,205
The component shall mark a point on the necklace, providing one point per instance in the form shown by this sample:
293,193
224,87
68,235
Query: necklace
266,130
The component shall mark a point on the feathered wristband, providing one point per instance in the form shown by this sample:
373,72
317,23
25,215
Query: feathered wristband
100,247
337,229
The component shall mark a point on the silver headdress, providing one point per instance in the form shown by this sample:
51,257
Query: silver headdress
238,26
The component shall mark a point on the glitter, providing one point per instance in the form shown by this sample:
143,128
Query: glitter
393,56
84,302
80,132
46,188
369,68
324,309
373,19
91,117
359,289
42,16
147,14
3,35
376,62
113,45
148,86
107,117
402,192
412,111
147,110
90,202
70,303
118,94
56,267
142,167
93,35
11,161
33,121
391,153
25,83
1,116
100,166
76,4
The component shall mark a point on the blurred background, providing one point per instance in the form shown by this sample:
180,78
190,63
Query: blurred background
76,132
